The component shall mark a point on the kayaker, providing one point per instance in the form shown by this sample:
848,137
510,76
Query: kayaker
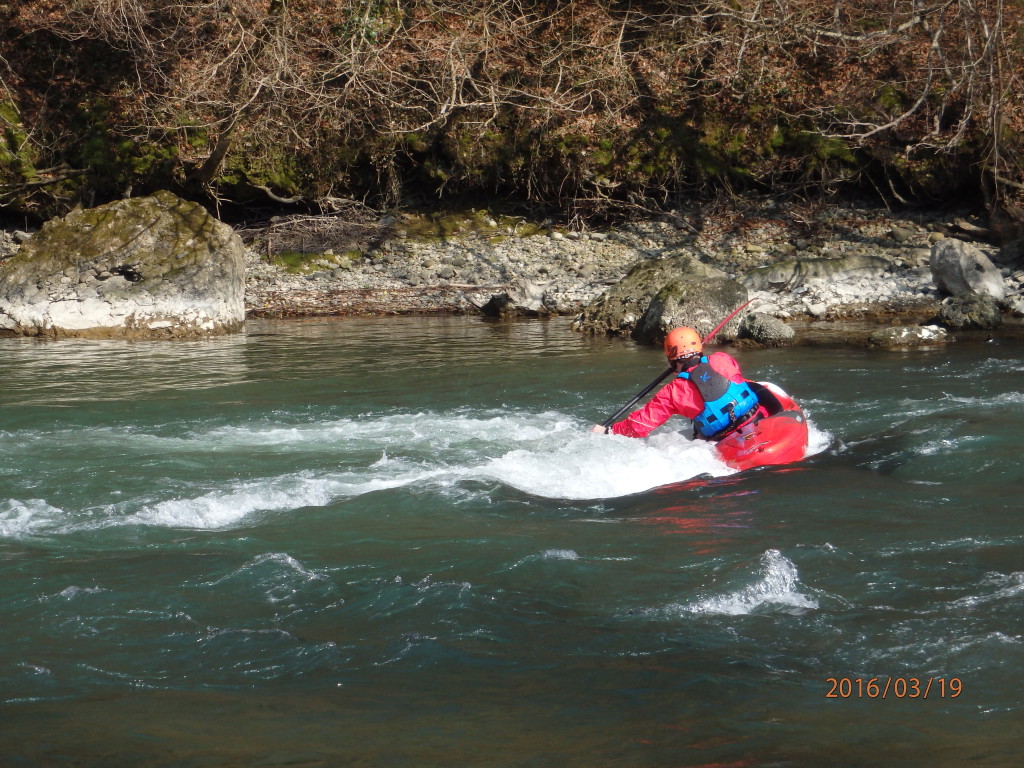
709,390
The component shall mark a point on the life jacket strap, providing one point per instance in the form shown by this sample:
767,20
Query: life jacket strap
755,416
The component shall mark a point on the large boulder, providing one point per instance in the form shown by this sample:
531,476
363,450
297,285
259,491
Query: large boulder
148,267
660,294
960,269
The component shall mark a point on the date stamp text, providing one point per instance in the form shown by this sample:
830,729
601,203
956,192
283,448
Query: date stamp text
893,687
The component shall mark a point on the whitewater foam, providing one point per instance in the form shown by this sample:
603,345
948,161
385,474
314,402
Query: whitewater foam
229,507
995,588
26,518
317,463
560,554
776,587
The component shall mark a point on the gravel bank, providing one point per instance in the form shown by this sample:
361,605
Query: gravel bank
557,271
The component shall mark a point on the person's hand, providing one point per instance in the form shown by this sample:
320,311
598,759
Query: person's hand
599,429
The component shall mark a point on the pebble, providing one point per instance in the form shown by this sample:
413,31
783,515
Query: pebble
901,234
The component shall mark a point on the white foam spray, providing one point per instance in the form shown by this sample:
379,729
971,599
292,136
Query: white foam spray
26,518
777,586
317,463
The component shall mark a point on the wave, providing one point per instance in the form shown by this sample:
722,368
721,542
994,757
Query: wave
283,463
776,586
27,518
996,588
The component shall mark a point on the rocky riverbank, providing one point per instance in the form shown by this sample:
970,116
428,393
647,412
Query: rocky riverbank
876,263
882,265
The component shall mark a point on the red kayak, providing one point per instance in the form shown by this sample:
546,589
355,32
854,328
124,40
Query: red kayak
778,438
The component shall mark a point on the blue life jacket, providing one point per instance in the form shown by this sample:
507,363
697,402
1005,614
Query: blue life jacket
726,403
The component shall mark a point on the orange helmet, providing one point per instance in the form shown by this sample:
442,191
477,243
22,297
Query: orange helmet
682,342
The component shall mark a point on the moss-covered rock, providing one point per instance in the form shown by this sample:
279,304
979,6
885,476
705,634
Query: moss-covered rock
970,312
148,267
660,294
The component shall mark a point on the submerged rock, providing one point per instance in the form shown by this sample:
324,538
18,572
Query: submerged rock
765,330
148,267
909,336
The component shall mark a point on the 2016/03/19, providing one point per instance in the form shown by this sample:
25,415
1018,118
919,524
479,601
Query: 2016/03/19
898,687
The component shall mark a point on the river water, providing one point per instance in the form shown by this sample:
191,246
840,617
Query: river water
393,542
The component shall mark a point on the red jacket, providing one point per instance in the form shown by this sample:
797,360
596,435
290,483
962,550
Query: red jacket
679,397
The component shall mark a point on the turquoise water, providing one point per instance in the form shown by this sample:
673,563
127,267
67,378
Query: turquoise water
392,542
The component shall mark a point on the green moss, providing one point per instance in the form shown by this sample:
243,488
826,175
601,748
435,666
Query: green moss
264,164
819,156
528,229
369,20
444,224
196,137
891,99
115,160
295,262
298,263
415,142
17,158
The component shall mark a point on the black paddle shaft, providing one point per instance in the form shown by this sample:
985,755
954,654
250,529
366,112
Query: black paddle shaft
611,419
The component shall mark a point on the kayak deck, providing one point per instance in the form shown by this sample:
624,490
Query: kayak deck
778,438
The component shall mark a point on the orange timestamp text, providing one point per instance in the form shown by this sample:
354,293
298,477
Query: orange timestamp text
893,687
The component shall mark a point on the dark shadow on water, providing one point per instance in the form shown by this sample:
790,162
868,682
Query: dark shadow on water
882,453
